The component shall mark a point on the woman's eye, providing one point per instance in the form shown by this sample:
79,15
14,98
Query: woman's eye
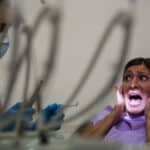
143,77
127,78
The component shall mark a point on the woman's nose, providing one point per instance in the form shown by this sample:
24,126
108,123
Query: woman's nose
134,84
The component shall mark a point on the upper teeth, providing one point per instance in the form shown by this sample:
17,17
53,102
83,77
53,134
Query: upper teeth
134,94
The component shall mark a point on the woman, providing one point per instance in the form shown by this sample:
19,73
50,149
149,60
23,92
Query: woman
128,122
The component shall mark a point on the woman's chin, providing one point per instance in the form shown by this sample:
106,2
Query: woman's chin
136,112
135,108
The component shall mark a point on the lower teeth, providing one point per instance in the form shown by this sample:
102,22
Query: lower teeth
135,102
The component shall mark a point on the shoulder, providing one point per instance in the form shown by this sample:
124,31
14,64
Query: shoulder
102,114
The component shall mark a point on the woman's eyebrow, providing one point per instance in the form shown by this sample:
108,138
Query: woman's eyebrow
127,72
143,72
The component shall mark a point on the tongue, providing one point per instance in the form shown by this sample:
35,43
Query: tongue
135,102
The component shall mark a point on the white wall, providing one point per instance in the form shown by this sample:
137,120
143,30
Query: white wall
83,24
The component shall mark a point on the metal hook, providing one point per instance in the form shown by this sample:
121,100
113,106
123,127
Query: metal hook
72,105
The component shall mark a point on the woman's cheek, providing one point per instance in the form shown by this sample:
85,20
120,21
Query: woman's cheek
124,88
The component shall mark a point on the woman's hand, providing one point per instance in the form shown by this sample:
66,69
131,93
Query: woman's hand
120,99
147,115
147,108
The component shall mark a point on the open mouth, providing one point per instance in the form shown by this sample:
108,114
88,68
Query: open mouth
135,99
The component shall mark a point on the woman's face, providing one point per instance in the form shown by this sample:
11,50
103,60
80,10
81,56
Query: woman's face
136,89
